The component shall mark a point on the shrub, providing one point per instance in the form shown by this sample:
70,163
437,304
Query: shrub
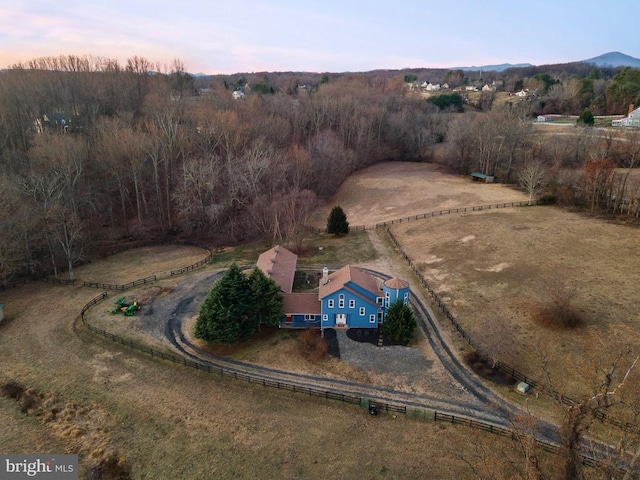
312,345
11,390
559,311
547,199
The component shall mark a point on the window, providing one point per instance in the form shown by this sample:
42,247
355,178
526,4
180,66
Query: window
352,304
379,300
330,303
406,298
341,301
325,318
362,311
310,318
387,297
372,318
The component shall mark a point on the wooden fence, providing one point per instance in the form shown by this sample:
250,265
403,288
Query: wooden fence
502,366
423,414
194,266
437,213
153,278
124,286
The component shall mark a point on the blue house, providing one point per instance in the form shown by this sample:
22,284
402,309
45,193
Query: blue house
353,298
347,298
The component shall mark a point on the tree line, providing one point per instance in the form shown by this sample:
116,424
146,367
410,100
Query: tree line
94,152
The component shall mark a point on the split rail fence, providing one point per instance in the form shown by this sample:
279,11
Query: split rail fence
422,414
502,366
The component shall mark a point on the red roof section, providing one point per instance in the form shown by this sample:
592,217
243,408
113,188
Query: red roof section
279,264
346,274
306,303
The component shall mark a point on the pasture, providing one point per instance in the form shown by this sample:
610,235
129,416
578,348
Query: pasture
159,418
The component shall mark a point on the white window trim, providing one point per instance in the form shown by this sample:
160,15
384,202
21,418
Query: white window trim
330,303
352,304
372,318
341,300
325,318
362,311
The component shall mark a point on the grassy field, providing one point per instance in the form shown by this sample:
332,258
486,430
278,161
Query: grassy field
496,268
163,421
157,420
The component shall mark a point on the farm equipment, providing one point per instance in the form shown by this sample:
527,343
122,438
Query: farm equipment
129,309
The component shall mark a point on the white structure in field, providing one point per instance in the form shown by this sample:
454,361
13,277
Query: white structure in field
631,120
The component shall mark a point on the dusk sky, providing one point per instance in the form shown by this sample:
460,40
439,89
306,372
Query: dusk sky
319,35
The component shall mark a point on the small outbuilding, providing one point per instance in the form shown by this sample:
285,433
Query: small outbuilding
481,177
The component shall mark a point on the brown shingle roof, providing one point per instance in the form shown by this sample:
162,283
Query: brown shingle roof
306,303
279,264
345,275
396,283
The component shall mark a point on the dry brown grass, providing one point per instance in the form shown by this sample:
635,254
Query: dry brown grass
392,190
510,257
140,263
169,419
171,422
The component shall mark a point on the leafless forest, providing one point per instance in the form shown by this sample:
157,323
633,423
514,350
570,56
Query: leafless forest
95,152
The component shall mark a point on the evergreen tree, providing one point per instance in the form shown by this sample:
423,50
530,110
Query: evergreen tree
586,118
337,221
268,303
226,315
399,322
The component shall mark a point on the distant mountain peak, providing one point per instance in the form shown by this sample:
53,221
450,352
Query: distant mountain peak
493,68
614,59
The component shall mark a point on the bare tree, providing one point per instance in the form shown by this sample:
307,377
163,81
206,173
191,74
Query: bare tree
531,177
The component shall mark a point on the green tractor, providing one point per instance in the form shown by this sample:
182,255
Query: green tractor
129,309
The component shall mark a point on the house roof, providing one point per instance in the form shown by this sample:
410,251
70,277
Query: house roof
396,283
279,264
345,275
301,303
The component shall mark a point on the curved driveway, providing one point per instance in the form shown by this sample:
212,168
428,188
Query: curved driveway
474,401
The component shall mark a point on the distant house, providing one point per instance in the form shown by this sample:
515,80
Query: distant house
237,94
347,298
631,120
471,88
432,88
488,88
50,121
522,93
544,118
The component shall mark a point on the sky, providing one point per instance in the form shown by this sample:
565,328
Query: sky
319,35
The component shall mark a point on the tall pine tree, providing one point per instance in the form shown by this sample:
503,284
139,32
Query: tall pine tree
268,302
337,221
236,305
399,322
226,315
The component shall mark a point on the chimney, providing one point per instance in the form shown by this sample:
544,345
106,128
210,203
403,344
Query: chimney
325,276
631,109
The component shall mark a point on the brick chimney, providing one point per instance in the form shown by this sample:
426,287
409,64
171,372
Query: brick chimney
631,109
325,275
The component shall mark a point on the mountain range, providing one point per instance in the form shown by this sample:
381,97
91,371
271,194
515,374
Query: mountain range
610,59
